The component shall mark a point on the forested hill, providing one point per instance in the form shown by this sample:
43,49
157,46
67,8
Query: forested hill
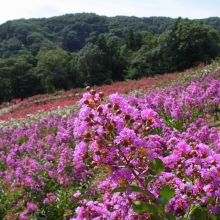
72,32
76,50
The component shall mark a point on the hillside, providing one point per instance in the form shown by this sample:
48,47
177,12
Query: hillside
72,32
136,154
66,101
39,56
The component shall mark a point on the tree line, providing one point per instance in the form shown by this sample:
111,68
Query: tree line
72,32
136,54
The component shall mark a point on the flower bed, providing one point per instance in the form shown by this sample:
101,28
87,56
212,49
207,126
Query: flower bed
161,156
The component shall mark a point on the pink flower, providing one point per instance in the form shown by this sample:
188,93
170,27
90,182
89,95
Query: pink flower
31,207
50,198
77,195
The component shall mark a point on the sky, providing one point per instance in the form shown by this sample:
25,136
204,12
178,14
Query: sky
192,9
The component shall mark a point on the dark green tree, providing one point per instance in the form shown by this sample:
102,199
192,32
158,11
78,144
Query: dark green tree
188,44
138,41
145,62
117,63
129,40
102,44
53,69
17,78
34,37
89,64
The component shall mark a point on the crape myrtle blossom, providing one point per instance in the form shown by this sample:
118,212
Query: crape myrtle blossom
50,197
196,98
125,125
116,123
127,136
119,205
24,215
31,207
37,156
123,134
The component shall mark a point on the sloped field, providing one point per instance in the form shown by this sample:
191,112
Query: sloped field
153,153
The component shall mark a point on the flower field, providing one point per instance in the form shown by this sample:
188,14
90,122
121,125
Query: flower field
33,105
149,151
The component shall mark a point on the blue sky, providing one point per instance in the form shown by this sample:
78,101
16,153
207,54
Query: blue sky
192,9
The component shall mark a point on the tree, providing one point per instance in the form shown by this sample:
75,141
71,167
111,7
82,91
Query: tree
17,79
138,41
34,37
113,62
102,44
145,62
53,69
90,67
14,44
71,41
129,40
117,63
188,44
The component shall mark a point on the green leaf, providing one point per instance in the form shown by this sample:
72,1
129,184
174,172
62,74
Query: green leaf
167,193
191,209
158,165
138,189
134,184
154,217
199,214
160,201
145,192
170,215
213,217
140,207
134,188
119,189
188,180
149,178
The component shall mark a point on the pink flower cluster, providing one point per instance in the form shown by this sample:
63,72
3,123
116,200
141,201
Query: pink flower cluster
127,133
52,161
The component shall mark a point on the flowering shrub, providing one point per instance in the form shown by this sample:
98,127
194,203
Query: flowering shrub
158,171
38,174
160,154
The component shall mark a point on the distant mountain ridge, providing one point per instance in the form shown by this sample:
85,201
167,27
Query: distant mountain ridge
72,32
